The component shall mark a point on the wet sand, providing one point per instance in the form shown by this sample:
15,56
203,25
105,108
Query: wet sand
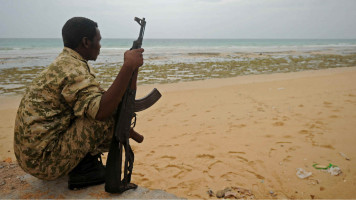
248,131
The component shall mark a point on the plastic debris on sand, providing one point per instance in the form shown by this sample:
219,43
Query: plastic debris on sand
301,173
335,171
344,155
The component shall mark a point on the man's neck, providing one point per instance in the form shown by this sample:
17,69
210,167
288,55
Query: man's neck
81,53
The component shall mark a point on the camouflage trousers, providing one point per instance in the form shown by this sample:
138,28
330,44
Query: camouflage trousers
84,136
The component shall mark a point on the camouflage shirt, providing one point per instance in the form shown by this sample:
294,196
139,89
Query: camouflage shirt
64,91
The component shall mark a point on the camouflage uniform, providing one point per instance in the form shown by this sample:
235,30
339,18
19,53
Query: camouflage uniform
55,124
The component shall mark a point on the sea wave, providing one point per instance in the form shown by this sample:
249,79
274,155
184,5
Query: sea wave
10,48
168,51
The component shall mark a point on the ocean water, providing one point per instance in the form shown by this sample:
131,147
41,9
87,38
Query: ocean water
22,52
174,60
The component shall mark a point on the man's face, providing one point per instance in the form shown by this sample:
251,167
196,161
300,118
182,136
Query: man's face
94,48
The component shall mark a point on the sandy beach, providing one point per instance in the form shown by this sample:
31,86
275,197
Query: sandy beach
249,131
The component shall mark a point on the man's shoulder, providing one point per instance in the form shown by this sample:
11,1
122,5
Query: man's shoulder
66,64
67,61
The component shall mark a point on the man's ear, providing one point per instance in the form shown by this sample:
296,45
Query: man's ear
85,42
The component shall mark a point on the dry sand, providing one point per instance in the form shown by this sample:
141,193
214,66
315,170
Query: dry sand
250,132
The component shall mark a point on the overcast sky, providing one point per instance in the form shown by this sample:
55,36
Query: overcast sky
184,18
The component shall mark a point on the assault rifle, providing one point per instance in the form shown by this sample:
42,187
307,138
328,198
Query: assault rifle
125,121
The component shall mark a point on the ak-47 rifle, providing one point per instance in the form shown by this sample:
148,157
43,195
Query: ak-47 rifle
125,121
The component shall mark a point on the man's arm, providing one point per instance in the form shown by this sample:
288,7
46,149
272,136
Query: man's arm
111,98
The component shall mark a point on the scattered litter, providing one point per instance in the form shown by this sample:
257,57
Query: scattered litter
344,155
272,193
332,169
220,194
230,194
317,166
313,181
281,88
262,181
234,192
301,173
1,166
335,171
210,193
244,193
8,160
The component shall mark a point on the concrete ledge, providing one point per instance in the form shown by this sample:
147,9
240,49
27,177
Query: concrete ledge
15,183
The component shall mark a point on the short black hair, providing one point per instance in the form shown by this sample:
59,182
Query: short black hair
75,29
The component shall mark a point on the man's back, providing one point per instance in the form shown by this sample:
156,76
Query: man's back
65,90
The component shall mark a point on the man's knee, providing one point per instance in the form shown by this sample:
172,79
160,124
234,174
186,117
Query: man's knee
88,134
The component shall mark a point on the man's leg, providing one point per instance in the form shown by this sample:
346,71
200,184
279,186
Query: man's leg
83,137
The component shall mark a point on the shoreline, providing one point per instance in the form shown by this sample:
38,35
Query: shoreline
242,79
249,131
192,67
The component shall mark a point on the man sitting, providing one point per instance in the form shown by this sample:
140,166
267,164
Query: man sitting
65,120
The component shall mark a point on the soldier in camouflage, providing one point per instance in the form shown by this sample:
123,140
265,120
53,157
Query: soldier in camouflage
65,119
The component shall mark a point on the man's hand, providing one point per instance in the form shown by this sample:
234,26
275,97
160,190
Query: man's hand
133,58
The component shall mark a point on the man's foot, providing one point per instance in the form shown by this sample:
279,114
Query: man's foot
120,189
90,171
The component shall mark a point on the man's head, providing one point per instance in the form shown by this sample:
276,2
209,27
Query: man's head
82,35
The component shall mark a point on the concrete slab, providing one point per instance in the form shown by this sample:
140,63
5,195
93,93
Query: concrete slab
15,183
